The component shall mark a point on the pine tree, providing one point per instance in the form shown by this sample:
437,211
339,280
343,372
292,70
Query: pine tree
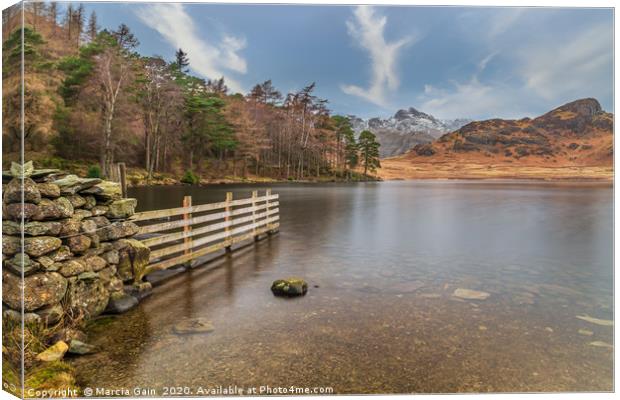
80,16
125,38
92,26
369,149
182,61
257,94
217,86
53,15
271,95
68,20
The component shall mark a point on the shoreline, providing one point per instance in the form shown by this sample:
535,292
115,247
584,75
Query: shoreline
508,178
393,169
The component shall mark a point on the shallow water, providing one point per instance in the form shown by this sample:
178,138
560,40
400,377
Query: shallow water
386,258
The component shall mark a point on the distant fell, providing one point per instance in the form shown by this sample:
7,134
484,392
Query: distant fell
576,133
405,129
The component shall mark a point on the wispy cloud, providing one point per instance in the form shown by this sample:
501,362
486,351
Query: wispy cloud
579,66
368,29
537,72
207,58
470,99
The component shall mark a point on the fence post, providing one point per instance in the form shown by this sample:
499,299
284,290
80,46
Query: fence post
122,175
267,194
254,196
187,229
228,218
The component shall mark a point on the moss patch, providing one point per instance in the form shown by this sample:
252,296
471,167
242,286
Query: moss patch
52,375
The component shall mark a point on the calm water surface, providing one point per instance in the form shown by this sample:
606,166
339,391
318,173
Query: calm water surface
386,258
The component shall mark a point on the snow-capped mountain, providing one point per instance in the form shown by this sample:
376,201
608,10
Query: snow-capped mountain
405,129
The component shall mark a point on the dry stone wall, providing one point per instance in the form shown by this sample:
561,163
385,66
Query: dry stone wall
78,256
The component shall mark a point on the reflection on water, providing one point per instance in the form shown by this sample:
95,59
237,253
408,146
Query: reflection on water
383,260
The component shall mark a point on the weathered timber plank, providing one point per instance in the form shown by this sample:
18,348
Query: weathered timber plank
206,250
228,235
164,226
170,212
171,237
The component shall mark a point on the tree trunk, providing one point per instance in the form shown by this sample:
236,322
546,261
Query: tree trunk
107,134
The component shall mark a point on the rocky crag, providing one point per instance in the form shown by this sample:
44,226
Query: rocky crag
79,259
405,129
577,133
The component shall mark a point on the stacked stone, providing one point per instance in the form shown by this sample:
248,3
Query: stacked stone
77,246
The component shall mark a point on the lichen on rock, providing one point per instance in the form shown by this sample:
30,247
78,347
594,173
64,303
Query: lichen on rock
289,287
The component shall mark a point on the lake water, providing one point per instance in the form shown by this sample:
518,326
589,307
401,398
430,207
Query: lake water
383,261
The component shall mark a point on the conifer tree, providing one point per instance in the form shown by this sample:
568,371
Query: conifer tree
369,149
182,61
93,28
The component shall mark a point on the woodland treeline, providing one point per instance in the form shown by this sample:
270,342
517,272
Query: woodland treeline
89,95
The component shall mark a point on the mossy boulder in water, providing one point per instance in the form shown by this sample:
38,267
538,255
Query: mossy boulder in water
289,287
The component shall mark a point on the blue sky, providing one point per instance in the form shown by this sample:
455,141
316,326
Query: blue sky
448,61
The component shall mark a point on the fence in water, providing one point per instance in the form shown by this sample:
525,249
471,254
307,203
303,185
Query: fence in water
179,235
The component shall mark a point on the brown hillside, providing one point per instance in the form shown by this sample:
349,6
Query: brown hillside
576,137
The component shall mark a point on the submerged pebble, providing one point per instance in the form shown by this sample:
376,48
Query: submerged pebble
598,343
596,321
190,326
469,294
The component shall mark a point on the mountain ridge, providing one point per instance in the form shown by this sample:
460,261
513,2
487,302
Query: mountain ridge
570,138
405,129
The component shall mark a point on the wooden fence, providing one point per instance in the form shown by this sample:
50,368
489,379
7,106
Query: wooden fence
179,235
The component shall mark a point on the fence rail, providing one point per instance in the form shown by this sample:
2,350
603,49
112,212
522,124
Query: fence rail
179,235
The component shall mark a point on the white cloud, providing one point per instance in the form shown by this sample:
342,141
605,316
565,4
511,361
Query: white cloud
471,99
368,29
485,61
579,66
206,58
